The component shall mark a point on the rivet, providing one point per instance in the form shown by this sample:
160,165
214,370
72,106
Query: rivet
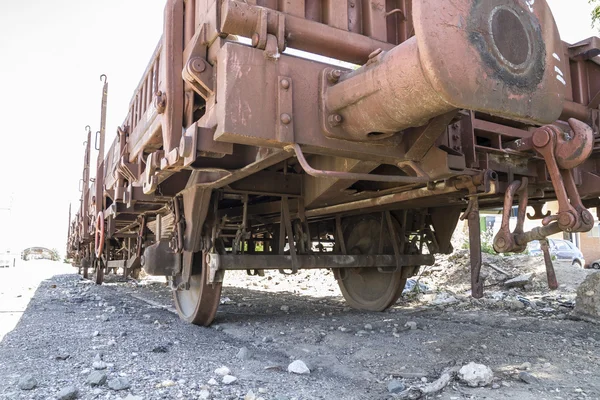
286,119
198,65
335,119
334,75
285,84
255,39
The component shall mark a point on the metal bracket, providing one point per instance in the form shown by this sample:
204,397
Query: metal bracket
215,274
331,123
199,74
196,70
150,178
285,110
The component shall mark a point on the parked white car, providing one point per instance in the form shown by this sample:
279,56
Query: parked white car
7,260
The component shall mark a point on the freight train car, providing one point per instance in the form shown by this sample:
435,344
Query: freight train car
343,134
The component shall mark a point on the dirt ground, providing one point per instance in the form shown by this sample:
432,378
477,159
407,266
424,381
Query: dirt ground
521,334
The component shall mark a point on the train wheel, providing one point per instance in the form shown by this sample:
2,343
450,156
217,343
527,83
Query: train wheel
197,305
99,275
368,288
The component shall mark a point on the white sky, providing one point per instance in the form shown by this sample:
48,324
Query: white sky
52,55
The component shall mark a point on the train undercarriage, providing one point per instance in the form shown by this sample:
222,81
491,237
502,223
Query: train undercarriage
243,150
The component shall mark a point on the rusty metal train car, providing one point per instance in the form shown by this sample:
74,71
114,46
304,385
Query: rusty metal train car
343,134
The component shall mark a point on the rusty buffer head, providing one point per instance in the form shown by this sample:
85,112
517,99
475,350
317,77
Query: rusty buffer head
502,57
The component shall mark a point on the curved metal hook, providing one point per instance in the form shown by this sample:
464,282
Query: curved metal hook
103,78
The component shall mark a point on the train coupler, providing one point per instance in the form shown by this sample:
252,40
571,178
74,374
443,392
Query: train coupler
562,151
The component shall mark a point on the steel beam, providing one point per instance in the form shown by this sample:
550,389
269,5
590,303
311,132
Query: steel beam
315,261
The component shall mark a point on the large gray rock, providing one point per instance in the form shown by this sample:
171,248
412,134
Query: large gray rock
298,367
120,383
396,386
96,378
475,375
519,281
243,354
68,393
528,378
587,304
27,382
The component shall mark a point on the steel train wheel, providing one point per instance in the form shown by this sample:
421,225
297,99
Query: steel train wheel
367,288
197,305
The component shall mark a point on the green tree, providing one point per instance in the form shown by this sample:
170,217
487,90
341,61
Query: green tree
595,12
55,256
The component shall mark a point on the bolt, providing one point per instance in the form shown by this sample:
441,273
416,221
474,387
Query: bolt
198,65
286,119
334,75
455,137
335,119
587,217
500,243
540,138
375,53
566,220
255,39
285,84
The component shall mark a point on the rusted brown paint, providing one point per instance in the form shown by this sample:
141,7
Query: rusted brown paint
444,111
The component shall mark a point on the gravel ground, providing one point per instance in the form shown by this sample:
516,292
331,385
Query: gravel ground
129,330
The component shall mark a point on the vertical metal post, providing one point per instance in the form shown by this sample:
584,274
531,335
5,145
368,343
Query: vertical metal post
551,275
102,121
69,230
475,247
100,160
85,198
